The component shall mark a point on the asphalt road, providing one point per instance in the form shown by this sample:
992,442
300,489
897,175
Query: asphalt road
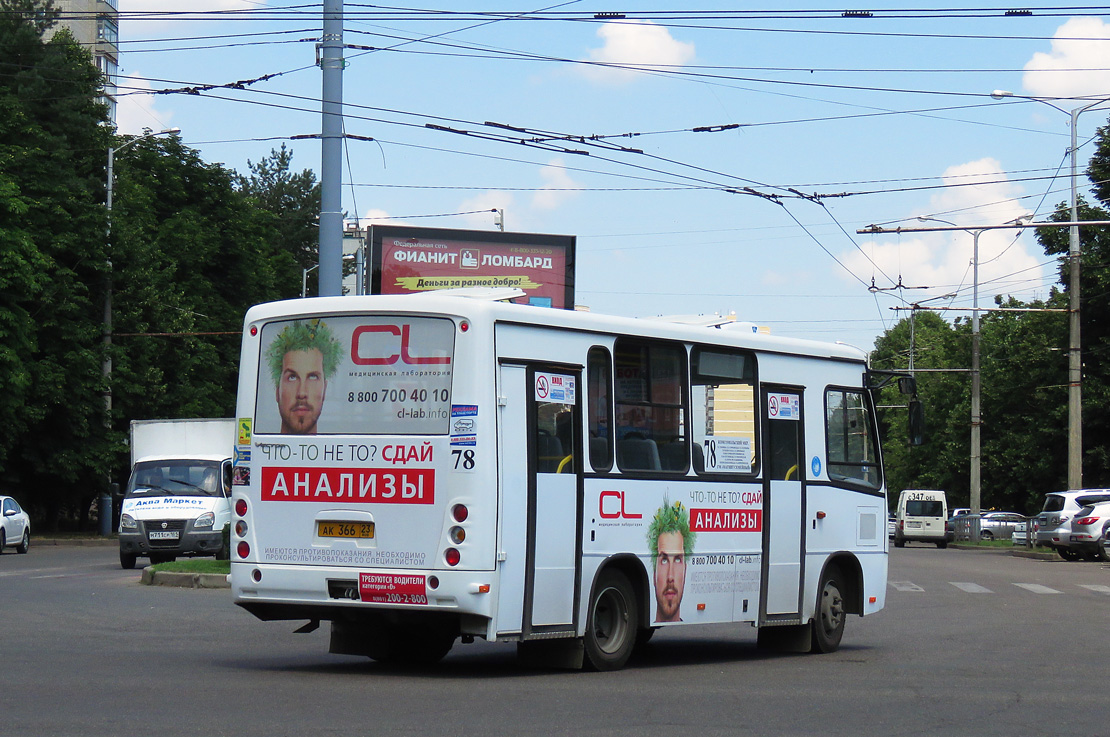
970,643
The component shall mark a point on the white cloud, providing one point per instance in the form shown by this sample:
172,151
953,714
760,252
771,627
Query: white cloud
640,44
1077,45
942,260
556,182
136,111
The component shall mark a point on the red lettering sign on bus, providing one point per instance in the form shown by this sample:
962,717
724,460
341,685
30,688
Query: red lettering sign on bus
350,485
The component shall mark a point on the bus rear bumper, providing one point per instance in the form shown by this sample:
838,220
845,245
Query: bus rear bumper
275,592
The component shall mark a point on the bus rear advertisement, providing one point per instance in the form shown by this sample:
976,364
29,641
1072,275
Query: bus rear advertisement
420,469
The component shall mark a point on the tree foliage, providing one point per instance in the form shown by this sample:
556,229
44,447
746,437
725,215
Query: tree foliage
52,260
1024,379
191,246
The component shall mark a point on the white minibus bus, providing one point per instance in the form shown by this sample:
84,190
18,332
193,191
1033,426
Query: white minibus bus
420,469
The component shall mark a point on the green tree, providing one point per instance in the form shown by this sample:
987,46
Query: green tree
52,226
192,253
292,202
937,347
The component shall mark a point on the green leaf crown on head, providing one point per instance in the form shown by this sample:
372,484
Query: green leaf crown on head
305,335
670,518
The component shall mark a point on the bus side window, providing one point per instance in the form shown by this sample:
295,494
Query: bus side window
599,380
723,411
651,406
853,454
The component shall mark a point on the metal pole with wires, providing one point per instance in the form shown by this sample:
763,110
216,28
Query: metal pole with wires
331,153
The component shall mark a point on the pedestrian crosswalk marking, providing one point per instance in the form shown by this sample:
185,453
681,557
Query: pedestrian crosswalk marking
1096,587
971,588
1036,588
906,586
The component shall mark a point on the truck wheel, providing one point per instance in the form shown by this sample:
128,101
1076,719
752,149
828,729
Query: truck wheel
612,623
828,619
25,545
127,560
942,544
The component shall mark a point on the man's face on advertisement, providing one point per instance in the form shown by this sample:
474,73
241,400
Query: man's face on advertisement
300,391
670,576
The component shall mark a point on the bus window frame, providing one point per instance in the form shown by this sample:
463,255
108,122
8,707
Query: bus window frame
757,441
873,430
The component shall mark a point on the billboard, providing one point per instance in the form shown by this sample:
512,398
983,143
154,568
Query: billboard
407,259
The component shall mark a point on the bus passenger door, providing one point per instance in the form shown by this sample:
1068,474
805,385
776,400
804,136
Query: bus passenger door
541,499
783,503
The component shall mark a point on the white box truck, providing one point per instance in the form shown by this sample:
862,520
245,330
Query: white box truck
178,498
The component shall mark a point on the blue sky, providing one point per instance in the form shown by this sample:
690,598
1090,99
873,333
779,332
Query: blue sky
891,111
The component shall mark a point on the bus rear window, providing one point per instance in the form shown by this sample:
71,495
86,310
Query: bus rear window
364,375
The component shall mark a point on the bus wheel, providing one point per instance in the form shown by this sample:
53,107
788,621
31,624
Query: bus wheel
828,620
612,623
127,560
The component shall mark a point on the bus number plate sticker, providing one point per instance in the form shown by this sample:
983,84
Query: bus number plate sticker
358,530
390,588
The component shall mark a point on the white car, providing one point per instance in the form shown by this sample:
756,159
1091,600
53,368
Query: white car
15,526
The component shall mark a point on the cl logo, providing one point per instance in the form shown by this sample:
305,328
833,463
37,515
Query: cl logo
613,510
405,354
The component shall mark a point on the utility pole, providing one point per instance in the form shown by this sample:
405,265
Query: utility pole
976,419
331,153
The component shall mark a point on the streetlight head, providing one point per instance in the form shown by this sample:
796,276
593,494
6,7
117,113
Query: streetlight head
999,94
169,130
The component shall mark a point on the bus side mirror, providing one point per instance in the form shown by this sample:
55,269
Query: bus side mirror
917,423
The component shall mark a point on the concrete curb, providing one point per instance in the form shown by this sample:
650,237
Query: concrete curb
74,541
185,580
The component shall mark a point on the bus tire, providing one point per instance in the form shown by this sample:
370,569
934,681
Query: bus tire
408,647
829,615
612,623
127,560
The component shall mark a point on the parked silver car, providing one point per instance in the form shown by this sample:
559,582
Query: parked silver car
999,525
1089,527
1059,506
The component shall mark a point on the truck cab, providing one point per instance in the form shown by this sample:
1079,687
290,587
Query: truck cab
177,501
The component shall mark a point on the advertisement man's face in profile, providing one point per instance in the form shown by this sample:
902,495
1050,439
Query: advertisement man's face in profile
670,576
300,391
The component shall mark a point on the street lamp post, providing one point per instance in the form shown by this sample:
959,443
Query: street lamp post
1075,362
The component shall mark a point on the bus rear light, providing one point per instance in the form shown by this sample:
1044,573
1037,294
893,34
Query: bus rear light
451,555
464,326
460,512
254,330
241,528
241,507
457,534
256,575
243,549
433,582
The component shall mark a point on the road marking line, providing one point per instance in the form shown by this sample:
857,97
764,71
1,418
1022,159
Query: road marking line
905,586
1036,588
1096,587
971,588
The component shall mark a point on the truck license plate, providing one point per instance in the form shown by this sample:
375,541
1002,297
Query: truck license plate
358,530
163,535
